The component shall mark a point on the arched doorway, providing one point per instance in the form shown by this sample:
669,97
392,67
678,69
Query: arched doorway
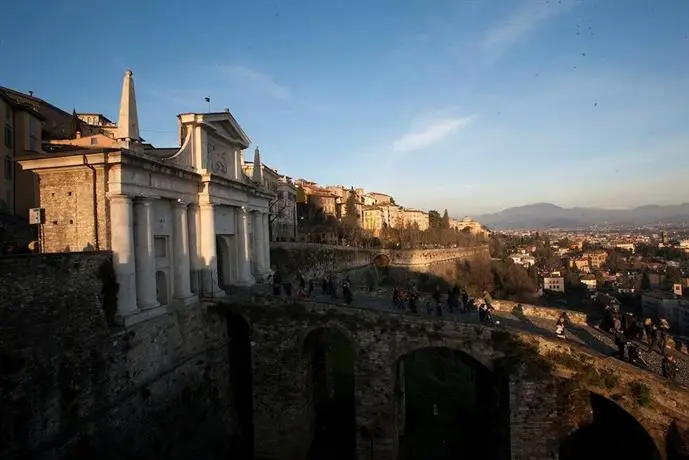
450,406
331,356
224,261
613,433
241,382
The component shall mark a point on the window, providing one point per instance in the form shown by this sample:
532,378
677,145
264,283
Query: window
8,114
8,168
160,247
94,140
8,136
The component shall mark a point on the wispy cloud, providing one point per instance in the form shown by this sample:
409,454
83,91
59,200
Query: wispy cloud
257,81
430,135
522,21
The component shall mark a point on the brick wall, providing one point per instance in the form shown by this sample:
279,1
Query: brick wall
73,222
71,386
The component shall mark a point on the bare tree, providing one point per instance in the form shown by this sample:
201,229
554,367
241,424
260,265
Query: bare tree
276,209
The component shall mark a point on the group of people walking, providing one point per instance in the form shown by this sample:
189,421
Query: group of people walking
628,332
407,299
457,300
330,286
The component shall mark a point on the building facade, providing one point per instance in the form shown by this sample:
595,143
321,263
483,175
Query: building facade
596,258
469,224
21,134
392,216
554,283
28,122
181,222
372,220
414,218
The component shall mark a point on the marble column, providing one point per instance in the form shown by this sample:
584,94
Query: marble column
180,261
245,277
209,286
259,245
266,241
193,224
122,222
146,294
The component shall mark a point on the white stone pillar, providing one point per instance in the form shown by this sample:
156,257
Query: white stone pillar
146,294
245,277
209,286
266,241
181,270
122,223
259,245
193,224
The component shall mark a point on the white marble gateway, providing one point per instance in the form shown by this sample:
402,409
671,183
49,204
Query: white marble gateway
182,222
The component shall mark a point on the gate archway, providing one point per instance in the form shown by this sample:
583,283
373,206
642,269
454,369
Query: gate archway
613,433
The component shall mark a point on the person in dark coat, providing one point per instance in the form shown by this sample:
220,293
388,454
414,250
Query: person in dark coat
277,283
669,367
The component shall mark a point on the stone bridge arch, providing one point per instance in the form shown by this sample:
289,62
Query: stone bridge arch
333,325
380,339
470,415
606,429
381,260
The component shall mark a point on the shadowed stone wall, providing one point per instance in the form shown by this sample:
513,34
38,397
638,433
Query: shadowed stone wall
72,386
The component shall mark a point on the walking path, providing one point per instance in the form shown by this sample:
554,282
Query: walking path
586,335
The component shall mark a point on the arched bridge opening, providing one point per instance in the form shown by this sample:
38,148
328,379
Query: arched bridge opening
611,433
381,261
331,355
381,264
449,405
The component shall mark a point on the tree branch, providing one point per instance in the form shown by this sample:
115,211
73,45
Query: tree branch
273,213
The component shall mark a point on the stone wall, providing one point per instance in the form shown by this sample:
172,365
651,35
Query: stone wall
316,261
76,210
544,376
72,386
538,311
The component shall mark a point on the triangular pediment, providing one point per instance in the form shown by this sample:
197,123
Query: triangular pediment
225,125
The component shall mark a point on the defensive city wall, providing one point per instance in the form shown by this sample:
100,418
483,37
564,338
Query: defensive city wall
75,385
368,265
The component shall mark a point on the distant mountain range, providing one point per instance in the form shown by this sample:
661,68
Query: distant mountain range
548,215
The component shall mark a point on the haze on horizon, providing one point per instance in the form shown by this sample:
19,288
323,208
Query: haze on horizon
470,106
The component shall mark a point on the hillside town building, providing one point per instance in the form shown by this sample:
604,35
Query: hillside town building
182,222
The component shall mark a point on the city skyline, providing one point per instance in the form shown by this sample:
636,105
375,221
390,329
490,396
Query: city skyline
470,107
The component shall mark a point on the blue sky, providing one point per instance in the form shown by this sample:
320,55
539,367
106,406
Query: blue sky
473,106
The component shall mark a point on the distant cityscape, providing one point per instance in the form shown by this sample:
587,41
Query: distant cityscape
646,264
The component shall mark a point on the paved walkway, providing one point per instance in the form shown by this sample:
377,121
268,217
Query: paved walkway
588,336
